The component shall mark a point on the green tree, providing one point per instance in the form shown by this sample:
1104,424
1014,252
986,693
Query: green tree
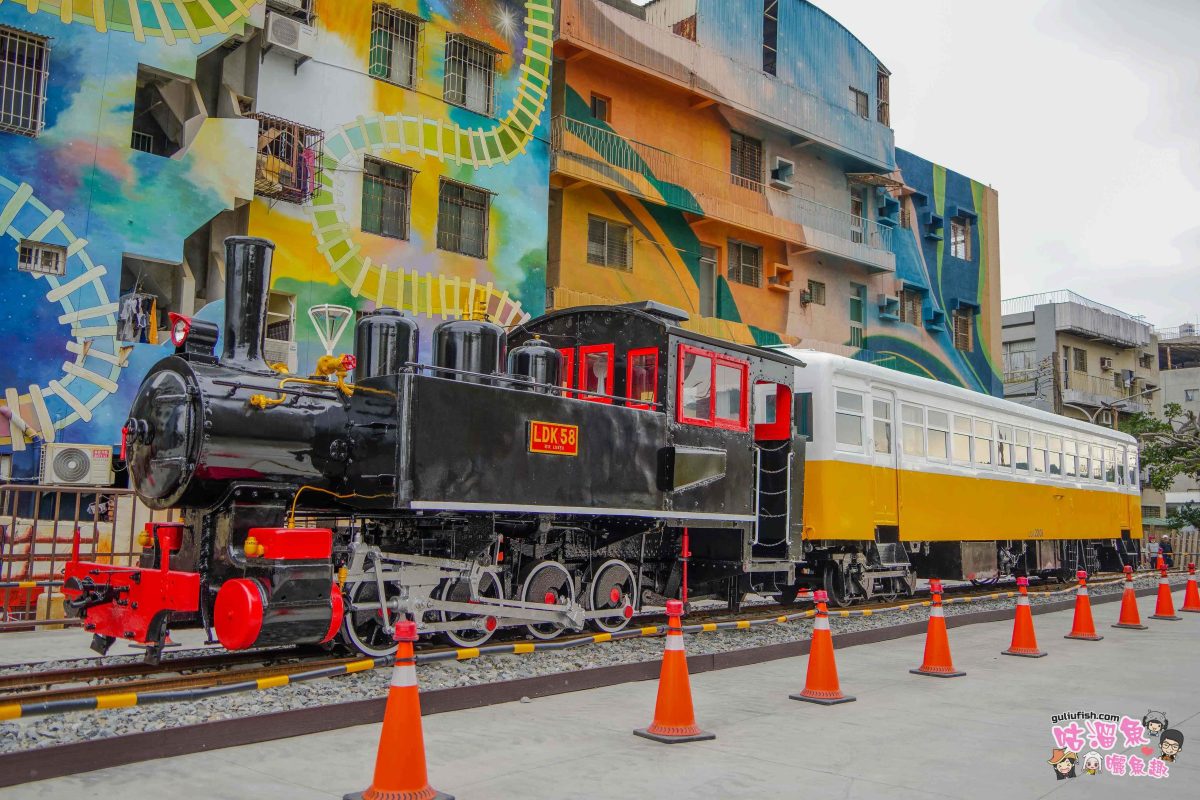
1169,447
1188,514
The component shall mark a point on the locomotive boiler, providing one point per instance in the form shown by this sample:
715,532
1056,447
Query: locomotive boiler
548,477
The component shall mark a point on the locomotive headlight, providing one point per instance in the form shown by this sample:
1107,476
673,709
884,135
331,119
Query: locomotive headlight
180,326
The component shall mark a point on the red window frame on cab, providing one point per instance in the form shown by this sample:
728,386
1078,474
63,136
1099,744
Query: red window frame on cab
636,402
573,380
567,378
715,359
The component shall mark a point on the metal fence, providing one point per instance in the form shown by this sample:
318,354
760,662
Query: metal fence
44,527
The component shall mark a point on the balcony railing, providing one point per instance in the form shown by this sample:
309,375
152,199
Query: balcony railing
1096,390
600,156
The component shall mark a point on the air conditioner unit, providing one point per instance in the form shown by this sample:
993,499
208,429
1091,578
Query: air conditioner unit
288,34
782,172
280,351
1104,417
1105,364
76,465
806,297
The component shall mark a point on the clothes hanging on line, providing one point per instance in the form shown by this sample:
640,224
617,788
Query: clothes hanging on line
138,318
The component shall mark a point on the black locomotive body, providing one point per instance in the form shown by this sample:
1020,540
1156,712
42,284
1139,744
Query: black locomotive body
550,476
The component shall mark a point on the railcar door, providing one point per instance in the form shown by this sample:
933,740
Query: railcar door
773,462
885,475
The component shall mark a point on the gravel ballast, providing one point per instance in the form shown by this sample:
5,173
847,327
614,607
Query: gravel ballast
48,731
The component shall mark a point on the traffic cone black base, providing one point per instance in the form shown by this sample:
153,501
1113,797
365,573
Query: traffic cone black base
1023,655
702,736
1083,638
824,701
955,674
400,796
1131,627
1175,618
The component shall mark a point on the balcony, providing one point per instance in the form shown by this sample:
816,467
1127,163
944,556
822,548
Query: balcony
588,153
1085,318
865,144
1094,391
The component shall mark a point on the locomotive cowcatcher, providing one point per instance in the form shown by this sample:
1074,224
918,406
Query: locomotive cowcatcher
550,476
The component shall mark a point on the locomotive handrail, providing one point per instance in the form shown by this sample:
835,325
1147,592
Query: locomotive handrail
520,381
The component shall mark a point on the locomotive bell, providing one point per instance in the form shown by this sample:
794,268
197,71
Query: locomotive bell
383,343
538,362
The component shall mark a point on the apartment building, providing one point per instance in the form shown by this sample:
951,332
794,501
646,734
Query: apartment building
1179,361
737,160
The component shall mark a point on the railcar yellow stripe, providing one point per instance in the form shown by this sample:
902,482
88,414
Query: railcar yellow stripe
523,647
360,666
273,681
602,637
117,700
708,626
11,711
466,653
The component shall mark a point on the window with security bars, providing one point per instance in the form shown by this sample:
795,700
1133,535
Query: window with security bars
1081,359
883,111
862,103
910,307
24,65
746,161
609,244
963,319
960,238
745,263
385,198
289,158
463,219
41,258
905,218
395,43
470,74
816,292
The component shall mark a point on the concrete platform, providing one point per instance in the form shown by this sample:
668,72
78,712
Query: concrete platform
986,735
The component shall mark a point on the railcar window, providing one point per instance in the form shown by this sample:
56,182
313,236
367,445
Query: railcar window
983,442
731,391
883,426
1039,453
1122,455
1055,455
1069,459
641,378
1132,468
912,421
939,435
697,386
596,371
1110,468
1097,465
848,420
1021,452
1085,460
766,396
962,440
1004,446
804,415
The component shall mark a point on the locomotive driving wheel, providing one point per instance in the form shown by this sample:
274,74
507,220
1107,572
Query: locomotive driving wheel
548,582
613,587
363,629
837,585
458,590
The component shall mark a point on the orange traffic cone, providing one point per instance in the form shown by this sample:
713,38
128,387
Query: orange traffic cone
1165,608
1191,597
674,719
937,663
400,763
821,683
1130,618
1083,627
1024,641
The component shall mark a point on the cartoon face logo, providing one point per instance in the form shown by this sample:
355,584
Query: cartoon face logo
1155,722
1171,743
1091,763
1063,763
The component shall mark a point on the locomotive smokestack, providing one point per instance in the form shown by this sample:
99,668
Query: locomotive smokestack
247,279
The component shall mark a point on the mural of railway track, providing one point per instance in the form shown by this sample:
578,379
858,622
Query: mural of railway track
169,20
432,294
95,359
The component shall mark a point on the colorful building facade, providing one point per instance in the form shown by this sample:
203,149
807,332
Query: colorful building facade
736,160
396,152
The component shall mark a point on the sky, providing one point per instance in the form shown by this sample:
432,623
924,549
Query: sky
1083,114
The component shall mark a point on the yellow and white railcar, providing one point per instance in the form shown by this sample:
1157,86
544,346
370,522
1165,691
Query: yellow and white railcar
896,458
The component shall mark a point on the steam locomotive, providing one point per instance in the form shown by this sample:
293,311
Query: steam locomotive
552,476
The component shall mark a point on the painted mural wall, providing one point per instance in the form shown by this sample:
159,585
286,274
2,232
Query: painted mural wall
73,368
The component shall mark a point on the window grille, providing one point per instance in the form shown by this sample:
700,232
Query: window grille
770,36
883,112
386,195
745,263
746,161
609,244
856,336
962,329
463,219
24,65
857,222
960,238
470,74
143,141
910,307
906,218
1081,359
289,158
395,44
862,103
816,291
41,258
